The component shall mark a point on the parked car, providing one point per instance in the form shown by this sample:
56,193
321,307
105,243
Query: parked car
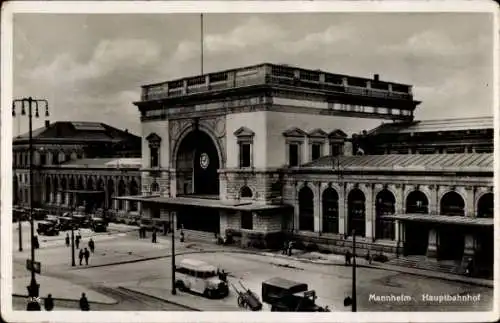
81,220
65,223
98,225
47,228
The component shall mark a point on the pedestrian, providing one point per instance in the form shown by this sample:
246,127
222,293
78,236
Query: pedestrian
348,257
468,267
84,303
77,242
36,244
285,247
86,254
49,303
79,235
91,245
290,247
153,237
67,240
80,256
182,236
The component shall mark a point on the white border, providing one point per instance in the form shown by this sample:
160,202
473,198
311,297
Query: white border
135,7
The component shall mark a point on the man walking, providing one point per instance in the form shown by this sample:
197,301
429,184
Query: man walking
49,303
86,254
67,240
80,256
91,245
153,239
77,241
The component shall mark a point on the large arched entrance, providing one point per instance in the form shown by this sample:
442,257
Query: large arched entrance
330,203
306,209
134,190
451,238
484,235
385,205
64,188
71,186
111,194
48,188
416,233
356,212
197,164
121,192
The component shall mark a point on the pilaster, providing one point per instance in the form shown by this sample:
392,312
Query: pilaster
370,213
342,209
434,203
469,203
317,207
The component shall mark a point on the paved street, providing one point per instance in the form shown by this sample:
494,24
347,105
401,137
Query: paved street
332,283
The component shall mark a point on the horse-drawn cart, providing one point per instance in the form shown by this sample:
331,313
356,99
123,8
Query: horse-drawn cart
247,299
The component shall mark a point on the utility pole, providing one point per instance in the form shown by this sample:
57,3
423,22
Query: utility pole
354,302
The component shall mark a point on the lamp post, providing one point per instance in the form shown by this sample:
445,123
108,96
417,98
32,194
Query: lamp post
174,291
354,307
33,288
20,223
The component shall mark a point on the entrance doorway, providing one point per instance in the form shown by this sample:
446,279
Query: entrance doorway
197,165
416,238
451,242
199,219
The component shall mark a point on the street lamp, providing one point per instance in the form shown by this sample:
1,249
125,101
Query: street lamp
174,291
33,288
20,223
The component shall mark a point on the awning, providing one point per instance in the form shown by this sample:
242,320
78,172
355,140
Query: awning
463,220
200,202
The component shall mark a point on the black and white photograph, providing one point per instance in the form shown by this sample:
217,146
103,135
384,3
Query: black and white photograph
165,159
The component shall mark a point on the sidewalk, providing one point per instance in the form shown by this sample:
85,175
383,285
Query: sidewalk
59,288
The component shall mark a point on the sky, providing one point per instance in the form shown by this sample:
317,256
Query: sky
90,66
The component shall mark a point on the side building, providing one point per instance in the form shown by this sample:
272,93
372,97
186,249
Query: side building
76,164
262,154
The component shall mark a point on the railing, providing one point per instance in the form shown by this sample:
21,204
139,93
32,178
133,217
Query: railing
160,91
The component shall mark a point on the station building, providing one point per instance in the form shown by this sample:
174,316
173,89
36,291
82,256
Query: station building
77,163
264,151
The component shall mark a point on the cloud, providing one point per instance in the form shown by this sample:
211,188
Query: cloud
254,32
108,56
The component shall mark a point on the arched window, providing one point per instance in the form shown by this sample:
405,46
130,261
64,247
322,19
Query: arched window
56,191
134,190
63,190
384,205
452,204
356,212
90,184
246,192
71,187
15,190
55,156
485,206
111,193
43,159
80,184
306,209
155,188
154,149
121,192
47,189
417,202
330,203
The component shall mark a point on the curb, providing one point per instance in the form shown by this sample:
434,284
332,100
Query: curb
160,299
69,300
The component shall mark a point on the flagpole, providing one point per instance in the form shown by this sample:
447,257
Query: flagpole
201,26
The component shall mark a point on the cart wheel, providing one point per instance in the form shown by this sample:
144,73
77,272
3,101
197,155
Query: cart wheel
241,301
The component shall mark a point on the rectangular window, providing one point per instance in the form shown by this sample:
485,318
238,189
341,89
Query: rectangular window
316,151
335,150
247,220
154,157
293,154
245,155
